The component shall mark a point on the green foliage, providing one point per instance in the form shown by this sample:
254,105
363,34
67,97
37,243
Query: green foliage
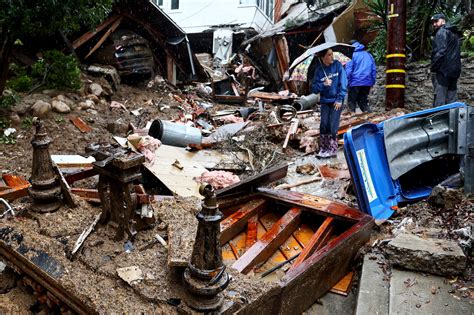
27,123
468,43
22,83
59,119
45,17
7,139
4,123
57,70
8,101
378,47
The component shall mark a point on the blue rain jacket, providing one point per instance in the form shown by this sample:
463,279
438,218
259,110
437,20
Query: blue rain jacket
338,89
361,69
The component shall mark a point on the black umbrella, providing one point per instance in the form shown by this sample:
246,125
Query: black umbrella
345,49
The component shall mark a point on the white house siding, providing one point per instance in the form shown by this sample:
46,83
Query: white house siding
195,16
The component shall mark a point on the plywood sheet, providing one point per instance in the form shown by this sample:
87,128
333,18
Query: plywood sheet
179,181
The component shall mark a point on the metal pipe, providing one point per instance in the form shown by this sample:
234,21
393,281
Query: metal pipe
190,55
306,102
396,56
174,134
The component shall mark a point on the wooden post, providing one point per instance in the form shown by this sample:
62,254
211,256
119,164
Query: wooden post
396,57
171,70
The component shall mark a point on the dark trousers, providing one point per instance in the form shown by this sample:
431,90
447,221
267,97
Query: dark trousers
329,120
358,96
445,89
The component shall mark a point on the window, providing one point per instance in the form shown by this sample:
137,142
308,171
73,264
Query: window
158,2
174,4
247,2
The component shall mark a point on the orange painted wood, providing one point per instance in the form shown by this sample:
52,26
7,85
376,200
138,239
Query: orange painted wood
270,241
274,259
227,254
303,234
13,180
344,285
316,241
80,124
237,221
290,247
15,192
252,225
268,221
328,172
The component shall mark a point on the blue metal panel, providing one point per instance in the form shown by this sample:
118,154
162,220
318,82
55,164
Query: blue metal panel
377,194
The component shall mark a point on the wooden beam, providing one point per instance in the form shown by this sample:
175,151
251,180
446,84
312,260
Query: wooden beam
252,226
104,37
80,124
14,181
317,240
91,195
87,36
236,222
82,174
15,192
270,241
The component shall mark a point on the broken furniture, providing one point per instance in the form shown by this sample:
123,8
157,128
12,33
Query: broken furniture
205,276
117,168
301,242
45,190
401,159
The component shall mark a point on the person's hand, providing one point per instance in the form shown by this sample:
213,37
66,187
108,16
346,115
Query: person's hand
337,106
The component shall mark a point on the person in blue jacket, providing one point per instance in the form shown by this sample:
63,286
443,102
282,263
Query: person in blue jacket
361,74
330,82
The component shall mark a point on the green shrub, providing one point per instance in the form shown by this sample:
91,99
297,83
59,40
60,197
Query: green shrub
8,101
57,70
22,83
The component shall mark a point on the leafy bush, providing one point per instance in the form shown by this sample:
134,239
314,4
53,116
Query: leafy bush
57,70
8,101
22,83
468,43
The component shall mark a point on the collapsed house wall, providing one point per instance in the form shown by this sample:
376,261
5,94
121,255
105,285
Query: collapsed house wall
419,89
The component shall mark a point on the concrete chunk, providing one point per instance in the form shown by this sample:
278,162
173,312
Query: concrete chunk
414,293
436,256
373,288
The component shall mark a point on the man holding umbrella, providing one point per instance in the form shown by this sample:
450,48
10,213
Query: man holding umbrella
331,82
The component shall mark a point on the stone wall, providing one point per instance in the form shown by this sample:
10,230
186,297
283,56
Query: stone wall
419,90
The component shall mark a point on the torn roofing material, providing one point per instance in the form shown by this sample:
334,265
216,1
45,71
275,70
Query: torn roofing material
298,15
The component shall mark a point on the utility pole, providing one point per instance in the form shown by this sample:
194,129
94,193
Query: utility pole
396,57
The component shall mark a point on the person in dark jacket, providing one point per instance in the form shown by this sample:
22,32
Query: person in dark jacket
445,61
361,75
330,82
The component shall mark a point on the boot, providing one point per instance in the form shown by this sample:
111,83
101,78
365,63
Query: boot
323,146
332,147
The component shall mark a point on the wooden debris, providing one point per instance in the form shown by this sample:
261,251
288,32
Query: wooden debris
303,182
344,285
80,124
84,235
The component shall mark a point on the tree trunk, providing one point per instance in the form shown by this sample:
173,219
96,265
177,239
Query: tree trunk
7,46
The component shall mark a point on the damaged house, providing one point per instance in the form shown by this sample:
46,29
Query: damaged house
138,38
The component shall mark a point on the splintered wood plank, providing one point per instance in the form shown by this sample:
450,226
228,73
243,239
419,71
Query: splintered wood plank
274,259
267,221
317,240
80,124
252,227
344,285
14,181
237,221
290,247
91,195
303,234
270,241
87,36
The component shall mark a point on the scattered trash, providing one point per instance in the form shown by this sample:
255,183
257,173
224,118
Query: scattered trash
130,274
